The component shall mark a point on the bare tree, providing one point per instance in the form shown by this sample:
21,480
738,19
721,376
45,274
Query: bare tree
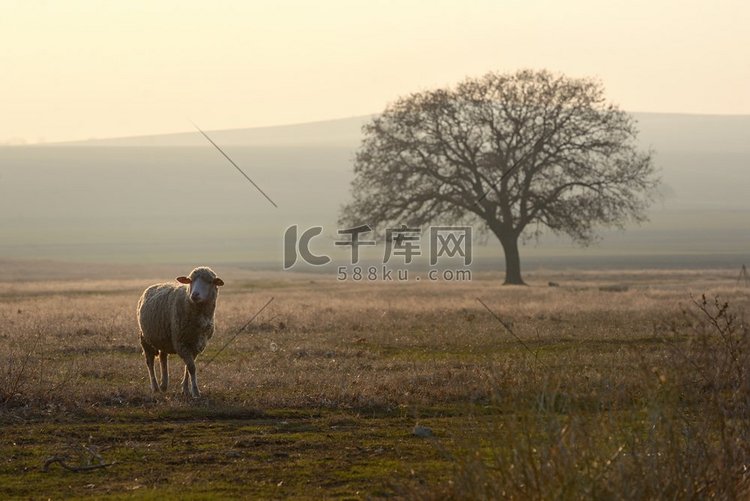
519,152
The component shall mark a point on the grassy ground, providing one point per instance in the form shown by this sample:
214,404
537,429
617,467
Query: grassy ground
319,397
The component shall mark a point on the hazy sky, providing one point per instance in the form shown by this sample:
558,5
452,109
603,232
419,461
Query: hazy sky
80,69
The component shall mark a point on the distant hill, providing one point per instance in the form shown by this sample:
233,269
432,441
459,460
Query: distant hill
342,132
683,132
173,198
663,131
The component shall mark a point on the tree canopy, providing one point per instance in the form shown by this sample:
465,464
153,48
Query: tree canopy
518,152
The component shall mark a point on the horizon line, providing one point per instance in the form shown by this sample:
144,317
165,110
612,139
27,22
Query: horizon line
82,142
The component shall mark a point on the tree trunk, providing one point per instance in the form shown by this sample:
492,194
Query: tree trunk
512,260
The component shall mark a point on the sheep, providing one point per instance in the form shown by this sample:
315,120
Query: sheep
178,319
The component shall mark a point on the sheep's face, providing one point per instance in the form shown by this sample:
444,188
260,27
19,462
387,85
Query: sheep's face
203,285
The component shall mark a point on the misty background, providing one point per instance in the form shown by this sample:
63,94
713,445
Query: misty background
174,198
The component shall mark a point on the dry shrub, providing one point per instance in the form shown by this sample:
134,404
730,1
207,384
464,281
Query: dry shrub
28,378
689,440
15,375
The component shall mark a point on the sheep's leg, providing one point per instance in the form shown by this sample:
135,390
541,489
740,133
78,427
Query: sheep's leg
186,382
189,386
150,354
190,380
164,371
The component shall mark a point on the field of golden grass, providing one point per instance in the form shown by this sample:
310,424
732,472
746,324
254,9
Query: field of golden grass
615,384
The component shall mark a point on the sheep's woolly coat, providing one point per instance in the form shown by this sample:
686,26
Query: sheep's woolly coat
169,321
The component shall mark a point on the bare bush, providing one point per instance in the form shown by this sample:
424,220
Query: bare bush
689,440
17,366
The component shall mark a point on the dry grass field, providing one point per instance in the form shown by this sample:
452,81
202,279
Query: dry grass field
632,392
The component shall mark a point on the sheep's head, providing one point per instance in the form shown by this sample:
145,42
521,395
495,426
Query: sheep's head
203,285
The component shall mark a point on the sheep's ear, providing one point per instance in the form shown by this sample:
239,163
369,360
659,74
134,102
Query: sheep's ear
218,282
183,280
